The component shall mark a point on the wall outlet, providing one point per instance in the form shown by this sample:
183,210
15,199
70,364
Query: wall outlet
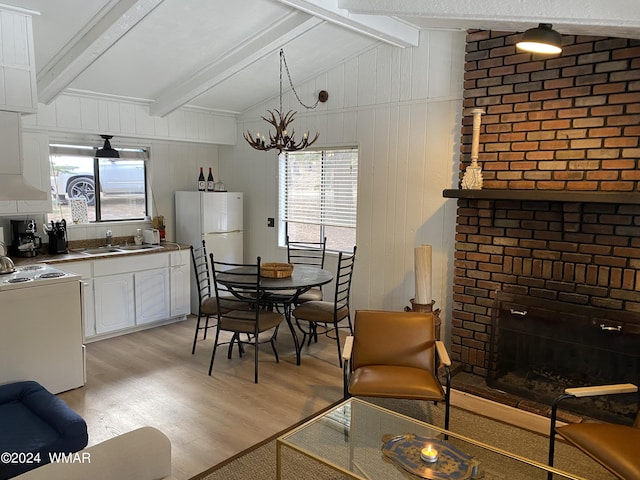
271,222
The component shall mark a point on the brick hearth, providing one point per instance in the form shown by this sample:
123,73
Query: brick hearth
564,123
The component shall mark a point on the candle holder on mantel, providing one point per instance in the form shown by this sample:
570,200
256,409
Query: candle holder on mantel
472,179
427,308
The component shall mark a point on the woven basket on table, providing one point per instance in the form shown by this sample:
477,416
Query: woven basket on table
276,270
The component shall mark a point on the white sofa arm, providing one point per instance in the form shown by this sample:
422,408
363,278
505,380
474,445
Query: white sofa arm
142,454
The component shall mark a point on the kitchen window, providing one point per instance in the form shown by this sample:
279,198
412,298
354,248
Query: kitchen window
319,196
102,189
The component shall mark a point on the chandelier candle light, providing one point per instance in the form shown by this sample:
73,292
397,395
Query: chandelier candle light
472,179
284,140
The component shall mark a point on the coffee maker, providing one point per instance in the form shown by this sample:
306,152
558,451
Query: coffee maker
58,237
24,241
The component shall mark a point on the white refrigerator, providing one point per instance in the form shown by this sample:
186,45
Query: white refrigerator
216,218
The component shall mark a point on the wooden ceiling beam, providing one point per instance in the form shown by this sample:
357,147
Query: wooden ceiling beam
113,22
587,17
264,43
383,28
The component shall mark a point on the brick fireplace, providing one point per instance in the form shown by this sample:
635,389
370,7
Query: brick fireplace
559,214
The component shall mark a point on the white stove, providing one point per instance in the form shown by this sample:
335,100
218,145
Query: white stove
41,327
34,275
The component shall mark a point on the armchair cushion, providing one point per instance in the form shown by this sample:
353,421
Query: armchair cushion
388,380
394,338
601,440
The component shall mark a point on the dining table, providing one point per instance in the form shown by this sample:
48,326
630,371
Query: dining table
283,291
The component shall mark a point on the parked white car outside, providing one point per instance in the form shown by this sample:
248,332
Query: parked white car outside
73,177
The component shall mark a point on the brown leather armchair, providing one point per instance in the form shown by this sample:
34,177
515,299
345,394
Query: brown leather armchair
396,355
613,446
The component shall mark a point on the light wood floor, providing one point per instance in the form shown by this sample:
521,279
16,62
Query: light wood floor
151,378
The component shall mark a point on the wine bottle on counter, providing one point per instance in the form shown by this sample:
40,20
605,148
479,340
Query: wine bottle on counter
201,182
210,181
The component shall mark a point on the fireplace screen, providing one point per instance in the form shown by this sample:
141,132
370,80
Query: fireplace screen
540,347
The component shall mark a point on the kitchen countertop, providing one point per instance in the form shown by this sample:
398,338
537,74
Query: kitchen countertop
58,259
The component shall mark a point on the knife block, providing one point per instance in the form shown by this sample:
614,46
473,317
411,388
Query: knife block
58,243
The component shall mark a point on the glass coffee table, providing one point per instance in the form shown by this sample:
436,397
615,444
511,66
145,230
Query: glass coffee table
368,442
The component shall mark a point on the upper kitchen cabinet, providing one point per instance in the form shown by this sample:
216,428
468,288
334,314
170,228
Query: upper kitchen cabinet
17,64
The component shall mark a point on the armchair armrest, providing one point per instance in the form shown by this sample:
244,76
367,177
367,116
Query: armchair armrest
346,364
443,355
348,348
592,391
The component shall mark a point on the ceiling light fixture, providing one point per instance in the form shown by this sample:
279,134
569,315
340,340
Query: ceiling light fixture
284,139
107,151
541,39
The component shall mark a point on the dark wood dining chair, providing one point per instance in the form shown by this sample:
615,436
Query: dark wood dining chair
329,314
613,446
241,309
396,355
307,253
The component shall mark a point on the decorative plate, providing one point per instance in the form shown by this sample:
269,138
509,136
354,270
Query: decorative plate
452,463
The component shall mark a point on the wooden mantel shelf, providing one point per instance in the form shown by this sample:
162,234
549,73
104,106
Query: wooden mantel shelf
545,195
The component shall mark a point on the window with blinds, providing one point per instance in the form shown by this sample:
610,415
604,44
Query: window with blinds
319,196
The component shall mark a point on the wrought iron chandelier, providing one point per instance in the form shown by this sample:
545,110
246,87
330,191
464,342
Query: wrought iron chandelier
284,140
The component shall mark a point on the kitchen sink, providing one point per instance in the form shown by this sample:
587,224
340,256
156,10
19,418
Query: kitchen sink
116,249
97,250
127,248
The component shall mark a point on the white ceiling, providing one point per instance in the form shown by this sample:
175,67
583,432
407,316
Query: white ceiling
223,55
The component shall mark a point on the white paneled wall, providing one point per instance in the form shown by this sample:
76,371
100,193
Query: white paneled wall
90,114
402,108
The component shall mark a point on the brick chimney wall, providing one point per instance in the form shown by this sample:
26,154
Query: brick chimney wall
567,122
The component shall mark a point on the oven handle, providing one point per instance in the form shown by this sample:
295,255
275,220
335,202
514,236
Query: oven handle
522,313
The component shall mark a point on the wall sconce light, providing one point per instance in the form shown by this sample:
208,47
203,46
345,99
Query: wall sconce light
107,151
541,39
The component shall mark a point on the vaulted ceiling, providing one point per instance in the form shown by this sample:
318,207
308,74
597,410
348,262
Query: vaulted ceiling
223,55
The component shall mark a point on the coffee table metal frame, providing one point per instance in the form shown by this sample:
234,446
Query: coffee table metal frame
384,415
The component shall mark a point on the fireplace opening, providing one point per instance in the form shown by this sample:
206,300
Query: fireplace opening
540,347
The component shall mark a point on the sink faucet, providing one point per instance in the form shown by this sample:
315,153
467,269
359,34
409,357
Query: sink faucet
109,238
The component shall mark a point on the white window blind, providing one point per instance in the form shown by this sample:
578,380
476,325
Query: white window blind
319,187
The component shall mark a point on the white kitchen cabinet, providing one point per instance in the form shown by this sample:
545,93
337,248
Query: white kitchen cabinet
180,282
18,92
114,302
85,270
152,301
124,293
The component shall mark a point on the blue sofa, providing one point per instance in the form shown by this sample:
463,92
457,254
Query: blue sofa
35,423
